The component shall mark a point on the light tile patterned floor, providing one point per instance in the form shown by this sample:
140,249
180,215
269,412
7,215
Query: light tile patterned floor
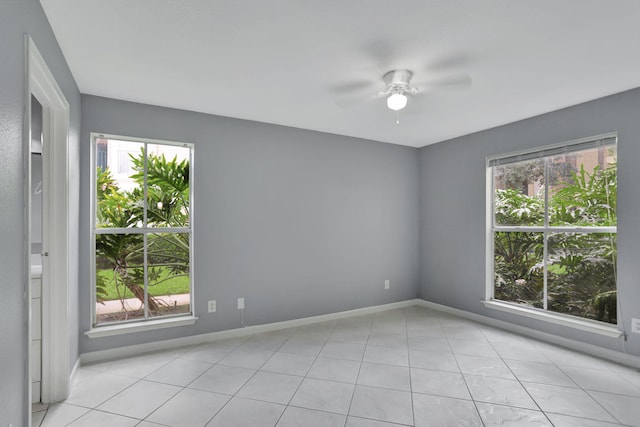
408,367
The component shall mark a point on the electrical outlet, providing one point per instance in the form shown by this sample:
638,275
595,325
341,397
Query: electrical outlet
635,325
387,283
240,303
212,306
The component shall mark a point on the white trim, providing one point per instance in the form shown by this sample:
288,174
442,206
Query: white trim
192,168
148,325
115,353
92,227
556,318
140,139
553,228
146,230
489,244
590,349
74,371
547,147
26,163
55,302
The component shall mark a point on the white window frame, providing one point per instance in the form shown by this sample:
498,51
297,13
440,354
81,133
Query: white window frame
576,322
146,323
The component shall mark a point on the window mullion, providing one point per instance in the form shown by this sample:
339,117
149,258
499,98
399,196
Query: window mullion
546,193
145,191
545,234
145,266
145,276
540,229
190,204
521,229
141,230
493,198
545,251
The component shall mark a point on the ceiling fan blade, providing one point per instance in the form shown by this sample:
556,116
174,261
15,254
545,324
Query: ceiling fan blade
449,62
459,80
379,50
352,87
355,100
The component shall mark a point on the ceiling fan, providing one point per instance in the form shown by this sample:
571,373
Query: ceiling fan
398,88
402,85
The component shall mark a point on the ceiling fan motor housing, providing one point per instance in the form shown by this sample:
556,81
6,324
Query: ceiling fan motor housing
397,81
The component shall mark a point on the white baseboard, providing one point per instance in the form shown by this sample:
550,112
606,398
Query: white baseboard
590,349
74,373
132,350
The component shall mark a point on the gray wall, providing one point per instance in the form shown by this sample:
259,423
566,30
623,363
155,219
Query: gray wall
18,17
299,223
452,207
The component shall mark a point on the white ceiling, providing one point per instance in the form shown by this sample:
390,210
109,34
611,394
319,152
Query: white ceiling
283,61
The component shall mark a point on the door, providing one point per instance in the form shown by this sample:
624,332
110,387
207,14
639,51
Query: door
37,242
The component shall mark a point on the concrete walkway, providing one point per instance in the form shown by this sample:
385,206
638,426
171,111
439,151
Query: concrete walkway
132,304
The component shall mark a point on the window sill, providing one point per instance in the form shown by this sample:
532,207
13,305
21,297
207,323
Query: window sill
555,318
129,328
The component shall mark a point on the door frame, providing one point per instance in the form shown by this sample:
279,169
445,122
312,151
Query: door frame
42,85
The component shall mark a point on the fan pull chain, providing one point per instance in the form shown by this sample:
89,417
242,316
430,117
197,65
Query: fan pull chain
398,117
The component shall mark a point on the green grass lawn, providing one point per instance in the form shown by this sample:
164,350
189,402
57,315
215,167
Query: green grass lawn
171,286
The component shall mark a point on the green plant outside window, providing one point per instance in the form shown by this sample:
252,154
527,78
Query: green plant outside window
142,230
554,230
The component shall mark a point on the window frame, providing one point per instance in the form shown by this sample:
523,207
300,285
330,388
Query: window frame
543,314
147,322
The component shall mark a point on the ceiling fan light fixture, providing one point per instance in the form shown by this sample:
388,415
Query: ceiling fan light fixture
397,101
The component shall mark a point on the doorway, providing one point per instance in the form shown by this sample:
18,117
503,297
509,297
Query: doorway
38,220
46,131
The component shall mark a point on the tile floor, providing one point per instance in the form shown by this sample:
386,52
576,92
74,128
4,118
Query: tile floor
409,367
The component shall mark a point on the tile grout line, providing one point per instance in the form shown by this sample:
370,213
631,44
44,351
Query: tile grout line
586,391
249,379
138,380
288,404
446,337
186,386
180,356
371,323
516,377
346,419
553,363
259,370
406,328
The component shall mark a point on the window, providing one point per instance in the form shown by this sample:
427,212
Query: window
553,228
142,229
